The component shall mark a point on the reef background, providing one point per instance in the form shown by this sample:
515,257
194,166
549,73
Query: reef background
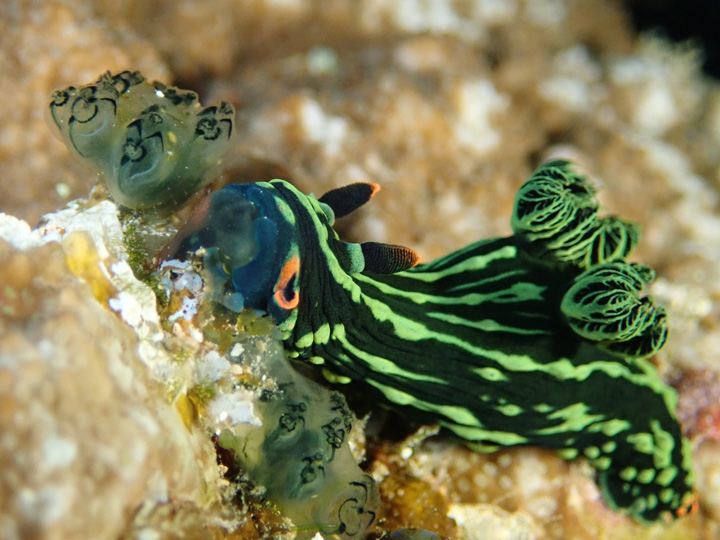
449,105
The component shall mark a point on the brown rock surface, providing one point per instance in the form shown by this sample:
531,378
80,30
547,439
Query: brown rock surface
86,433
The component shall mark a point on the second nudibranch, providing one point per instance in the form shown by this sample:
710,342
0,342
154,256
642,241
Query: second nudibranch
539,338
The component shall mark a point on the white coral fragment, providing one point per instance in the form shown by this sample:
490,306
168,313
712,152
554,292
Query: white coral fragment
322,128
233,409
18,233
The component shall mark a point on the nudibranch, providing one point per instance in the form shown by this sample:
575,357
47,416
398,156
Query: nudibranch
153,146
539,338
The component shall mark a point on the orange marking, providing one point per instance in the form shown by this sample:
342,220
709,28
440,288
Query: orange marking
289,270
690,506
414,257
375,188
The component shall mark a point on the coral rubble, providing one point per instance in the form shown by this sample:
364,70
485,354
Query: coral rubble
85,428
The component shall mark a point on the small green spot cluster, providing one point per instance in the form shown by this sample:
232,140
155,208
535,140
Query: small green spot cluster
139,259
203,392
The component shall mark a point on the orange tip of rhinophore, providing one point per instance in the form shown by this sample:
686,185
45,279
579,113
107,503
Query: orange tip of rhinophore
375,188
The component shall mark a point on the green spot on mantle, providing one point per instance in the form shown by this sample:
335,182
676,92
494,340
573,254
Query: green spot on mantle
646,476
666,476
568,453
609,447
602,463
628,473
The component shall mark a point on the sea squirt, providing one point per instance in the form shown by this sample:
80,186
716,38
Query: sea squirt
154,146
300,454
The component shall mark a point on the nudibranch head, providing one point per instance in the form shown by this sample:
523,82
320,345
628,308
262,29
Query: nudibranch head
250,237
152,145
246,247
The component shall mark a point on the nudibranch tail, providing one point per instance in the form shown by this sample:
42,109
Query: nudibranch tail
152,145
537,338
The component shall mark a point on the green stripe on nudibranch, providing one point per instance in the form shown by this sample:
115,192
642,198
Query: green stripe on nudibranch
538,338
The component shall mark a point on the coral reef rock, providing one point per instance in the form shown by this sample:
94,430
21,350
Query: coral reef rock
449,104
87,434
